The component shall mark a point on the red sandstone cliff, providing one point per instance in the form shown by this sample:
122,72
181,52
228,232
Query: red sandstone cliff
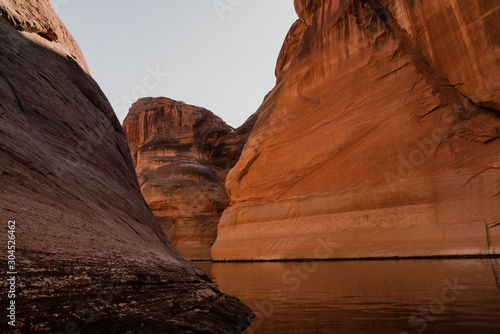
380,138
90,255
182,154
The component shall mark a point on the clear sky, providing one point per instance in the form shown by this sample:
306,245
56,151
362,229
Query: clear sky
219,54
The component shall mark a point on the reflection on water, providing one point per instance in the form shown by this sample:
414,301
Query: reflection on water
408,296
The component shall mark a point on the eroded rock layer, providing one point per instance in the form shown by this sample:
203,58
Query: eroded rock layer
182,154
380,138
90,256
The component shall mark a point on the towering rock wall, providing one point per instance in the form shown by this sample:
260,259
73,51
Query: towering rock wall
182,154
380,138
90,256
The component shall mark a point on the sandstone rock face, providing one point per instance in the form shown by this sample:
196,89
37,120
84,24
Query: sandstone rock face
380,138
90,255
182,154
34,19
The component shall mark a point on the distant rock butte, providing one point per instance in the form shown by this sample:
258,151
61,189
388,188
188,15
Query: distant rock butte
380,139
182,155
90,255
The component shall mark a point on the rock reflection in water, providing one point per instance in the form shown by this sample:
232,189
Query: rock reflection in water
436,296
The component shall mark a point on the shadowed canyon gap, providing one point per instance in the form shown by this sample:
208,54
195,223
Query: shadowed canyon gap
380,138
90,253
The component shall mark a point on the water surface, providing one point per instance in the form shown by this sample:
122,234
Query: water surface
405,296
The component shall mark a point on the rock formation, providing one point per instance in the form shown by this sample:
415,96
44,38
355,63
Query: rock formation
380,138
182,154
90,256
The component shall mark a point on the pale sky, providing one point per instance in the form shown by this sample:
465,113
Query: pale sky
221,59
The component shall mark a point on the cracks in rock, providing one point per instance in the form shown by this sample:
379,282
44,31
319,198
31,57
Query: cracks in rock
498,193
434,77
491,251
458,84
415,84
479,173
413,87
461,107
48,81
430,112
246,169
392,72
396,53
490,140
495,224
418,34
488,239
133,229
47,33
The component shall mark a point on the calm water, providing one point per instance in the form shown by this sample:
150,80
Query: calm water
410,296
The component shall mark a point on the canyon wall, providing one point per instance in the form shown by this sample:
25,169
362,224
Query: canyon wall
90,255
182,155
379,140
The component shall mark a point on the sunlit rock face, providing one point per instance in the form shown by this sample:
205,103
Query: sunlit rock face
91,257
182,154
380,138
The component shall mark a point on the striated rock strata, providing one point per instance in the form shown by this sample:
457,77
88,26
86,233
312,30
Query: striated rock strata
380,139
90,256
182,154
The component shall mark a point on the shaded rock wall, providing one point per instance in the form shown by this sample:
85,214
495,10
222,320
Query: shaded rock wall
380,138
182,154
90,254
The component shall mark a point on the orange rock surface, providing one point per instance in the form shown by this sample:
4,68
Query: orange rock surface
380,139
182,154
